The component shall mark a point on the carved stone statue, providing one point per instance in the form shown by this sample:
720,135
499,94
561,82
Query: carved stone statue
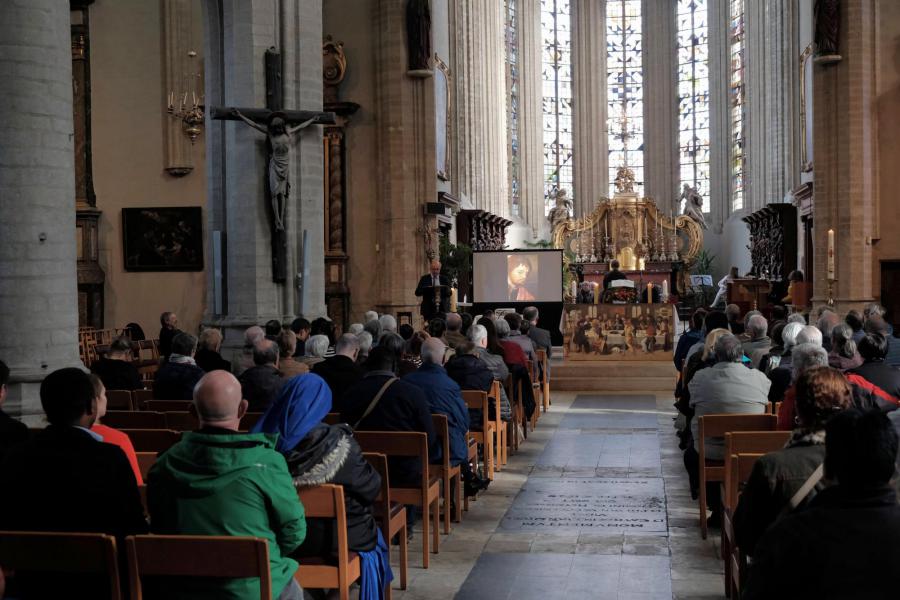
828,27
624,180
279,138
560,212
693,205
418,34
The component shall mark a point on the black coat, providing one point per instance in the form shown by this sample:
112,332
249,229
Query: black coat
209,360
615,275
339,372
471,373
117,374
403,407
176,381
846,544
166,336
881,374
329,454
425,290
260,386
12,433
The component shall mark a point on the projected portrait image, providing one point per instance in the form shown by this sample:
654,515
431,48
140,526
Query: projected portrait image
522,277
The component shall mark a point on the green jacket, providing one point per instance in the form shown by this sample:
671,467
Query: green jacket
223,483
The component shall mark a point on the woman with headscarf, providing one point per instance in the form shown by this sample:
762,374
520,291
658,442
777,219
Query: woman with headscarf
319,453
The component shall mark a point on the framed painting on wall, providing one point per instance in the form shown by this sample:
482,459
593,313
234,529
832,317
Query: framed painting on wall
163,238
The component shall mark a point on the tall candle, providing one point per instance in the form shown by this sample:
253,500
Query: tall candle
649,293
665,290
453,298
831,254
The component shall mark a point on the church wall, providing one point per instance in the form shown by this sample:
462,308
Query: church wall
128,121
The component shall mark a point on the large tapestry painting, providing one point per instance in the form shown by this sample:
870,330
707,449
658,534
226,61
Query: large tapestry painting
618,332
163,239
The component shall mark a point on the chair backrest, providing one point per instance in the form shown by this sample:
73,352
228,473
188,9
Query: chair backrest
397,443
442,430
494,398
531,375
332,418
382,504
61,553
152,440
129,419
119,400
478,400
141,397
540,356
744,442
326,501
719,425
145,461
168,405
182,420
198,556
739,468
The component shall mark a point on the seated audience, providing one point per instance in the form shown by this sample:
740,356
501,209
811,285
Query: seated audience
828,320
854,320
488,314
168,330
175,380
516,336
779,316
715,319
324,326
135,333
726,387
316,350
803,358
401,406
373,328
340,371
843,355
873,348
698,361
218,481
846,543
319,453
437,327
110,435
733,313
393,342
471,373
251,336
540,338
12,431
365,346
797,318
388,324
208,357
876,324
512,352
116,370
492,357
810,334
758,343
406,331
778,368
273,328
689,338
411,359
261,383
287,346
875,310
454,334
300,327
517,362
355,328
370,315
467,321
822,392
444,397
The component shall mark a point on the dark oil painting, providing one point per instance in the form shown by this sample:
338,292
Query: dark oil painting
163,239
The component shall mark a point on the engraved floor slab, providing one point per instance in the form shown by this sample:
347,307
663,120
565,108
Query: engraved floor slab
609,505
611,412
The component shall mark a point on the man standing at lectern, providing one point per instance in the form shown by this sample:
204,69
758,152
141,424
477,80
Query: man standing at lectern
614,275
426,289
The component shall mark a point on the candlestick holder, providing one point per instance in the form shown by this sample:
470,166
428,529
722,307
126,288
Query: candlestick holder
831,283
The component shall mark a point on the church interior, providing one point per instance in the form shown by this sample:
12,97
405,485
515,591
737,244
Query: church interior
473,299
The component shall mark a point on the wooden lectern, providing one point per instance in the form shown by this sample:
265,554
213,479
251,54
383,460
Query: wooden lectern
749,294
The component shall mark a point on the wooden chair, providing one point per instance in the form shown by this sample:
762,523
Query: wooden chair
717,426
148,374
60,554
478,400
544,373
141,397
740,465
182,420
536,389
326,501
168,405
446,472
515,404
145,461
427,494
500,427
128,419
197,556
119,400
152,440
472,456
249,420
391,516
332,418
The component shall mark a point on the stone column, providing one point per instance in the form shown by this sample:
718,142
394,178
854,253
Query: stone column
531,134
661,158
845,138
38,303
590,152
719,196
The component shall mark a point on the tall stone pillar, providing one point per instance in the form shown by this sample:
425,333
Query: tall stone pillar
590,151
531,134
845,137
661,158
38,302
719,196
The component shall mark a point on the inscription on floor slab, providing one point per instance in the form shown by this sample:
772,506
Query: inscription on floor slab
600,504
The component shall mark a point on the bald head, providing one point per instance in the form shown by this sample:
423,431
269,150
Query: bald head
433,351
218,401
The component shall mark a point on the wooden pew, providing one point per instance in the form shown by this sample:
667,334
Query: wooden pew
501,428
141,397
536,389
446,472
740,467
152,440
326,501
197,556
718,426
478,400
427,494
129,419
391,517
515,403
145,461
119,400
182,420
168,405
544,362
60,554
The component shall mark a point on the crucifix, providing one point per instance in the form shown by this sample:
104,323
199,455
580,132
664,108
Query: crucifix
279,126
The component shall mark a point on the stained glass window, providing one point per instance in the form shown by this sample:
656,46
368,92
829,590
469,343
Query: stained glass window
512,106
693,96
625,89
736,103
556,76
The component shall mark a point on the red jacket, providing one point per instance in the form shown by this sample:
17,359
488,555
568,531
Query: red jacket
513,354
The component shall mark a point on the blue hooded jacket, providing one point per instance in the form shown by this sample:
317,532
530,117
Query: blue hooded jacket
444,397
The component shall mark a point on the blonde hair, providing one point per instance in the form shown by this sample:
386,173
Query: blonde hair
210,339
710,344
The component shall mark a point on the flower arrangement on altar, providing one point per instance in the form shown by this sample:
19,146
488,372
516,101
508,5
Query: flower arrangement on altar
619,295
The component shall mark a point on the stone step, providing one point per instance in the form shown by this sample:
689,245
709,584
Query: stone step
612,384
614,369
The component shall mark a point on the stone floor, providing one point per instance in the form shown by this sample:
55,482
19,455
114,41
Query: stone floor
595,505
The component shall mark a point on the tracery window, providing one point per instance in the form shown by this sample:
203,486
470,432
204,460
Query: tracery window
556,76
736,102
693,96
512,105
625,89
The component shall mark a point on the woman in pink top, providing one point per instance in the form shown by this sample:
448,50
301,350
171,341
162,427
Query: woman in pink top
110,435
